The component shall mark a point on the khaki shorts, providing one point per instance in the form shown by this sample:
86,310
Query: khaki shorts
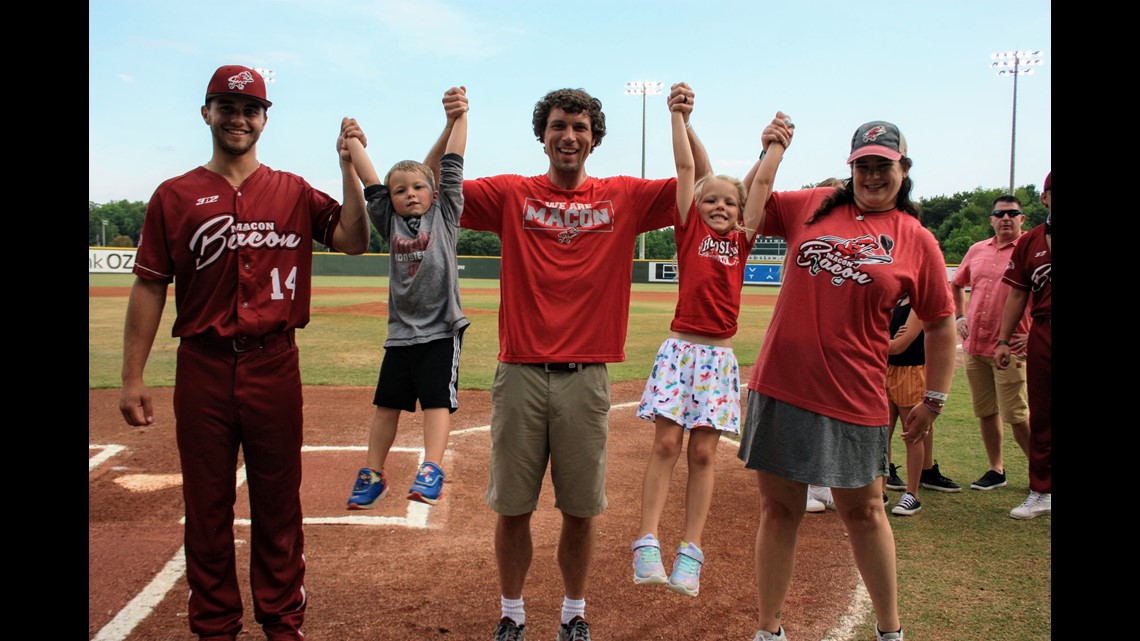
906,384
998,391
557,417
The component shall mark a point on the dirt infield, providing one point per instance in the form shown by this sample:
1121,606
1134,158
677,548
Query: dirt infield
389,580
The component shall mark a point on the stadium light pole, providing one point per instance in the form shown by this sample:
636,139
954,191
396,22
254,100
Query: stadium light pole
269,75
643,88
1011,63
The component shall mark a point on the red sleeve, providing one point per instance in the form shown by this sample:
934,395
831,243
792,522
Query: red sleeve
483,200
153,260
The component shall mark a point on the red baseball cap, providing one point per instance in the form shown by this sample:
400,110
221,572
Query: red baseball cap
1048,182
237,80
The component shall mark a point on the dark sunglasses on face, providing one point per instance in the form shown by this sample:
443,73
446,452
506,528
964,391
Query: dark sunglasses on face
998,213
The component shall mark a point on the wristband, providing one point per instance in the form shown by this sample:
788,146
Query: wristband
937,397
689,125
762,154
1002,341
930,406
960,318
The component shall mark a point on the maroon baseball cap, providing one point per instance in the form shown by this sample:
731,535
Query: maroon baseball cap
237,80
1048,182
877,138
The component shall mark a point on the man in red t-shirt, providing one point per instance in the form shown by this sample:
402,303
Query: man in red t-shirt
1030,277
567,259
236,239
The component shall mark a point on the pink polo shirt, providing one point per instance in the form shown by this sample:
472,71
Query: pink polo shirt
982,270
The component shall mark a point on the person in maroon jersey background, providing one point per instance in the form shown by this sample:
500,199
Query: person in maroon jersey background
236,237
1030,277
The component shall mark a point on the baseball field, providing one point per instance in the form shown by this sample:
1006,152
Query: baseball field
405,571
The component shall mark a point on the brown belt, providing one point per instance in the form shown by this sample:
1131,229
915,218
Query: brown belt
239,344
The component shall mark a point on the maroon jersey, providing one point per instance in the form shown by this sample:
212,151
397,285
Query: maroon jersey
1030,270
241,259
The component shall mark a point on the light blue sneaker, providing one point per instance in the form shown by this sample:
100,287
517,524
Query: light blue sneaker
369,488
647,567
686,576
428,484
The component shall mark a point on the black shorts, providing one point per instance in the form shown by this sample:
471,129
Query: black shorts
428,372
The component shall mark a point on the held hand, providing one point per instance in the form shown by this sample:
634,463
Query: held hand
455,103
918,424
135,405
963,327
681,99
779,130
349,129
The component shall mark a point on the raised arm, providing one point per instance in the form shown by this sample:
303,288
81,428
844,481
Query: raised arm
352,233
683,158
360,160
760,180
457,140
681,99
454,104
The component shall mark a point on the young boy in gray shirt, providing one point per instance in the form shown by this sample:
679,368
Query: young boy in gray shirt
425,319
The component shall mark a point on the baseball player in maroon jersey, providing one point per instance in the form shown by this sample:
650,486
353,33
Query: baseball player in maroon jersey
236,239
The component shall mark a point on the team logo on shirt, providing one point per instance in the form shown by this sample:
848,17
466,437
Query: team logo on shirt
221,233
410,251
1041,276
568,220
720,249
844,259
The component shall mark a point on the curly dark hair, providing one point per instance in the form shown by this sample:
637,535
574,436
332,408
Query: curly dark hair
572,101
846,194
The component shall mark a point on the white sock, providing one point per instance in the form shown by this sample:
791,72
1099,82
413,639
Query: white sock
513,608
572,608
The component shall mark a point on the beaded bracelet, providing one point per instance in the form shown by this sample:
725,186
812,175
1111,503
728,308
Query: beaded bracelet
936,396
932,407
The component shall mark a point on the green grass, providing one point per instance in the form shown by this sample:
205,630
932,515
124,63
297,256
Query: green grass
965,567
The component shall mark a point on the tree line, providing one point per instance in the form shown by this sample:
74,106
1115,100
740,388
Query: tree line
957,221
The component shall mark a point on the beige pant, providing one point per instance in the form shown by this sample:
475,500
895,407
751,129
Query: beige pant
557,417
998,391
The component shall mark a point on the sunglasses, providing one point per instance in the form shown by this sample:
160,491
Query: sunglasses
1005,212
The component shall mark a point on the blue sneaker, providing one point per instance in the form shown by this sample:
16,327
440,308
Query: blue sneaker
686,576
647,567
428,484
370,487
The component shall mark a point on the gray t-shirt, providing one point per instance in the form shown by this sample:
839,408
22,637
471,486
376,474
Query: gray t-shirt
423,289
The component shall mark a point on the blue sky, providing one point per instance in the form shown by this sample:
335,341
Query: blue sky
831,65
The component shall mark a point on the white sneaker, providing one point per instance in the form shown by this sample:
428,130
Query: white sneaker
764,635
814,506
821,494
1035,505
889,636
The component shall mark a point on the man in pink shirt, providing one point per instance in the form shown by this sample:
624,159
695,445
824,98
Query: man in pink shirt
999,395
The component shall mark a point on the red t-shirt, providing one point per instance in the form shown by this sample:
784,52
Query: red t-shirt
826,347
567,260
241,260
710,269
1030,270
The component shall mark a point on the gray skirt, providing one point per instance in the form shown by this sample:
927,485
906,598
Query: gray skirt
803,446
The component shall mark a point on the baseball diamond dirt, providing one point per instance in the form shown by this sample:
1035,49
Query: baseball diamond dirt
405,571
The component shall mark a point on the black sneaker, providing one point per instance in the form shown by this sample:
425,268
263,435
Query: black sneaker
893,480
576,630
990,480
907,505
932,479
886,500
508,630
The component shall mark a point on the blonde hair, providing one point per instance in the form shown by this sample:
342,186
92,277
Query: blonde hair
741,193
412,165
